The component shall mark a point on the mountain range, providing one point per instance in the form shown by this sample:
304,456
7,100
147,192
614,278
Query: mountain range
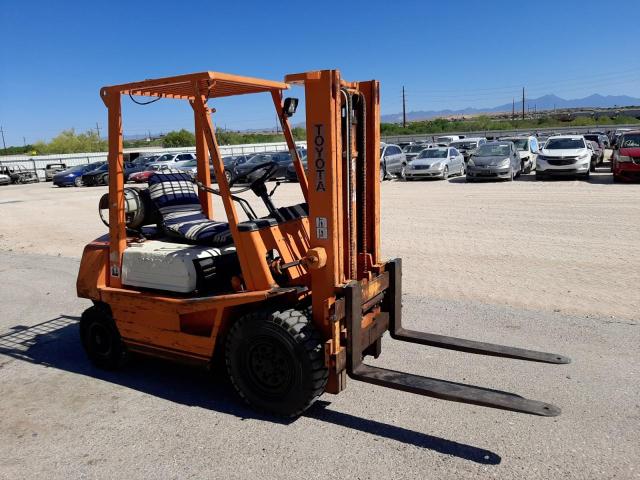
546,102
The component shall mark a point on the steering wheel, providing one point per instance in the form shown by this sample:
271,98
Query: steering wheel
269,168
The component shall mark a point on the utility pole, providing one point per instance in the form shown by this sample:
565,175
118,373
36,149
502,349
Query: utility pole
523,103
404,109
98,130
513,108
24,141
4,145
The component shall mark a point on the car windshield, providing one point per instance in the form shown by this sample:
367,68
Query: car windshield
256,159
414,148
433,153
564,143
593,138
464,145
496,150
520,143
166,157
631,141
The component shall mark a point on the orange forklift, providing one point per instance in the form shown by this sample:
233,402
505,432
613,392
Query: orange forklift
293,300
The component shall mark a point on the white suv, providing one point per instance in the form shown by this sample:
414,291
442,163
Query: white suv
564,155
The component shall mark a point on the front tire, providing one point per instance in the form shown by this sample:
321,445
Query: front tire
78,182
445,173
402,175
276,361
100,338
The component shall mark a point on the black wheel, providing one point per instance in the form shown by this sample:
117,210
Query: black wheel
463,169
227,175
445,173
512,174
101,339
276,361
104,180
78,182
402,175
383,174
592,166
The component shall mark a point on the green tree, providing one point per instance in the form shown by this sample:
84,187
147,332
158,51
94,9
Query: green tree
68,141
181,138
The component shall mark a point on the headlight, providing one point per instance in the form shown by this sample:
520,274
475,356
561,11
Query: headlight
437,165
624,158
409,166
584,156
70,175
505,163
471,163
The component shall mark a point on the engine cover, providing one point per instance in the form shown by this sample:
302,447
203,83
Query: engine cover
177,267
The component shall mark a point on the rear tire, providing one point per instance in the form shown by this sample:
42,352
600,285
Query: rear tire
101,339
104,180
276,361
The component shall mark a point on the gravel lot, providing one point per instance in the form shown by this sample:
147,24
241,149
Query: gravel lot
547,265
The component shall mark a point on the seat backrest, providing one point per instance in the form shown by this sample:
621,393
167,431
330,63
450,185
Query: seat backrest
173,190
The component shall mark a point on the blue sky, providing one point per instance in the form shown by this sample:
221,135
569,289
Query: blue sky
55,56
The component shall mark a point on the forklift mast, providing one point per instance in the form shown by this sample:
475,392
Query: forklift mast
356,297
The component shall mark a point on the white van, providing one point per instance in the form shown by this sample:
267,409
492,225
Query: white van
445,140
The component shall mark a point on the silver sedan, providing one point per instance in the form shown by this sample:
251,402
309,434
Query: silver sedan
435,163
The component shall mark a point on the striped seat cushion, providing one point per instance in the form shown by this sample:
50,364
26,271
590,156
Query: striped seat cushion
173,193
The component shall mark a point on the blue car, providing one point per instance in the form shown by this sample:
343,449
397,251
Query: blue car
73,176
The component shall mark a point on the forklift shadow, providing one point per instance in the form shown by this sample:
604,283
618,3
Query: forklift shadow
55,343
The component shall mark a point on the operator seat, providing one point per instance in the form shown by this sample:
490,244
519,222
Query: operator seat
173,194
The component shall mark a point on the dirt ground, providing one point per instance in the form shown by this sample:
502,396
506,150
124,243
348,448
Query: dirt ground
564,246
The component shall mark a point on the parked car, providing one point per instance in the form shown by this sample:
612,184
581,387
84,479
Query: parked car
18,173
564,155
143,176
51,169
468,145
598,145
292,176
493,161
412,151
4,179
625,161
96,176
392,160
73,176
527,147
171,158
445,140
282,159
438,162
597,154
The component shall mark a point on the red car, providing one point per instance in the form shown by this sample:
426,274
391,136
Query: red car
140,177
625,161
